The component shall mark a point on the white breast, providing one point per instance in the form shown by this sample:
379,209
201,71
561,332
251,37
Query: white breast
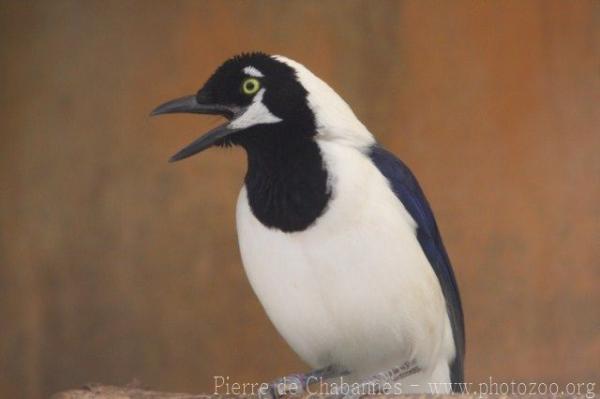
354,289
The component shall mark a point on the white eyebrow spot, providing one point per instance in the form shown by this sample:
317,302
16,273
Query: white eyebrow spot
250,70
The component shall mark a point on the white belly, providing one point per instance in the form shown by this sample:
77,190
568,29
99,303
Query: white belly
355,288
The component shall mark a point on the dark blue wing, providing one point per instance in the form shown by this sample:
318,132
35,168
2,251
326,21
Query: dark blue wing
406,188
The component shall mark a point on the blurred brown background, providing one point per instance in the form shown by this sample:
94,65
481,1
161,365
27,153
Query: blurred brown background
115,265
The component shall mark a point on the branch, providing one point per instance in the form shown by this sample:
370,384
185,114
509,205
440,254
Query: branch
131,392
94,391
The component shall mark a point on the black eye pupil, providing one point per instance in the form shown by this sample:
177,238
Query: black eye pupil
250,86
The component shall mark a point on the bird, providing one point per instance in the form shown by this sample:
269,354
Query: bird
336,236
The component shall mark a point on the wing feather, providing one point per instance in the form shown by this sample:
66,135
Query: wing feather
408,191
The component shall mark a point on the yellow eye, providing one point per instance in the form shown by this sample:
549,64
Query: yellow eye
250,86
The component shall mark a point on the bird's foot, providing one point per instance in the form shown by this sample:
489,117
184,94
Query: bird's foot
384,382
296,384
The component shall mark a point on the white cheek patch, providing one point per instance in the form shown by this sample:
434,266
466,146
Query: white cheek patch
256,114
251,71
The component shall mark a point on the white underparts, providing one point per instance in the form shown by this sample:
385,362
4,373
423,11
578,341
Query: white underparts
355,289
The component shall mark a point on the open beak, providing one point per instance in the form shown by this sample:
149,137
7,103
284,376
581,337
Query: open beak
196,105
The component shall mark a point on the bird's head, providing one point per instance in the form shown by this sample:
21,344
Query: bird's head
264,96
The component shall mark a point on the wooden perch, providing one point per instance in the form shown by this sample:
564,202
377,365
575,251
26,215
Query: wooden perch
127,392
132,392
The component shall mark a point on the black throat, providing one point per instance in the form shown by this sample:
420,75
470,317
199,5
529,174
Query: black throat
286,179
